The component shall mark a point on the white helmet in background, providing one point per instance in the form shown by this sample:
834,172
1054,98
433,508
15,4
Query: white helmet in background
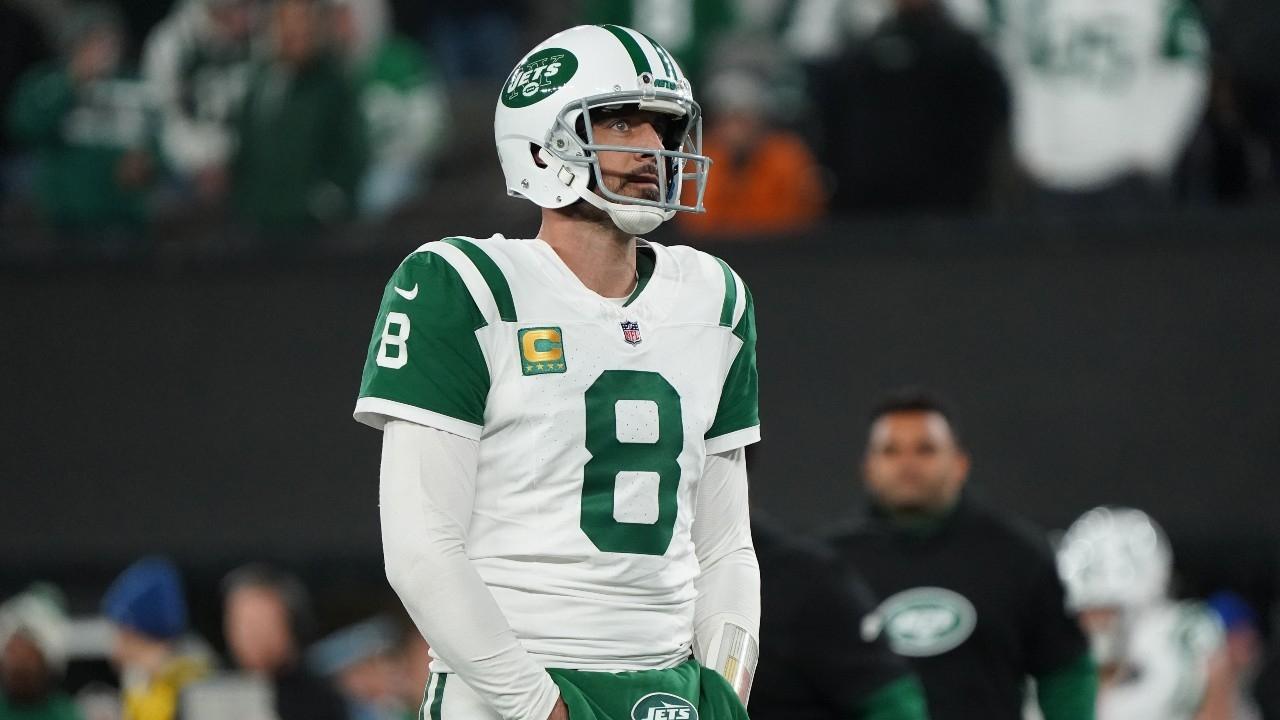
546,105
1114,558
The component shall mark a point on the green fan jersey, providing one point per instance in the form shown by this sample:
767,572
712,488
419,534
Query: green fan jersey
594,419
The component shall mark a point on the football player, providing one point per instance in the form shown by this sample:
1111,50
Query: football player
563,485
1158,658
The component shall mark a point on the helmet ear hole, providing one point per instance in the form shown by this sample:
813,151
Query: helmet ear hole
536,152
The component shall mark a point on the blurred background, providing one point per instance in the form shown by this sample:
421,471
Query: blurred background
1065,220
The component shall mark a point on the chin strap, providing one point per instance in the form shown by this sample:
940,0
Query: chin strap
636,220
630,219
733,654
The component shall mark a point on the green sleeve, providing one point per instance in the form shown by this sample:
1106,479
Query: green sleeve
902,699
1070,692
40,101
739,407
424,361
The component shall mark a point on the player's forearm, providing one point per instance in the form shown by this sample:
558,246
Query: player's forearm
729,591
727,619
727,612
427,483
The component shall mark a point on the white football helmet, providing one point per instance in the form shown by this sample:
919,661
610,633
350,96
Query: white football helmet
1114,558
546,105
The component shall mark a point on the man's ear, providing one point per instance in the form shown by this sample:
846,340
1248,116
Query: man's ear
964,464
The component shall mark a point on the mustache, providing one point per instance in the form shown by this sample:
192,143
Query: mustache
648,169
643,173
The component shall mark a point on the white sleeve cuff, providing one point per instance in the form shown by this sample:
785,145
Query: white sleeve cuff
733,440
376,411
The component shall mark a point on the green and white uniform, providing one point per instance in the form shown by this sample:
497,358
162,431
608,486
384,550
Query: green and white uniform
594,420
1169,649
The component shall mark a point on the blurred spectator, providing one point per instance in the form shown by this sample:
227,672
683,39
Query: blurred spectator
818,665
302,139
687,28
765,179
1107,95
148,608
1247,87
478,40
267,618
91,129
197,63
816,31
1243,650
413,657
915,117
1158,659
33,656
969,595
361,660
402,98
22,45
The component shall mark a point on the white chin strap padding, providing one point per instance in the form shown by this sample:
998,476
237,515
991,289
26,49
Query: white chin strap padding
634,220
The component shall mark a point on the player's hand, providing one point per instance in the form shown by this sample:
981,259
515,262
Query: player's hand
559,712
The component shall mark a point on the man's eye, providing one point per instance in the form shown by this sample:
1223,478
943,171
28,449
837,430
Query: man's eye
620,125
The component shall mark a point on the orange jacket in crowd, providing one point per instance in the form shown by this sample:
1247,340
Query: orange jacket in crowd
776,189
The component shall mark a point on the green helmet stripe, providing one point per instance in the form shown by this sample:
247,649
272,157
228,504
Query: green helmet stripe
668,63
633,48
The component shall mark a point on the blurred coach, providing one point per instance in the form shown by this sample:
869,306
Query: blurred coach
970,596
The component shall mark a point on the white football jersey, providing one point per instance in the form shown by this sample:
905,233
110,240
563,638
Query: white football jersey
1170,646
594,418
1101,88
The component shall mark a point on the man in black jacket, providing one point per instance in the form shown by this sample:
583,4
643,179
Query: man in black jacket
814,662
969,595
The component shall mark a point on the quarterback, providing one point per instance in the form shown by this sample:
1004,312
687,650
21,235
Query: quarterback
563,485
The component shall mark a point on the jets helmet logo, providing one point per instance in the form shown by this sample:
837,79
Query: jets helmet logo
545,72
663,706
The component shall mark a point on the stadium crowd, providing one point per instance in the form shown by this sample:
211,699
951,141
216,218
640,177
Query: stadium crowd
272,120
142,658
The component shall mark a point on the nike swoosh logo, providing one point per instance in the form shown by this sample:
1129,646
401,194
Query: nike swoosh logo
408,294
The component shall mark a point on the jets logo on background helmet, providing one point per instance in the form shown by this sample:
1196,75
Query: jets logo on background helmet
1114,558
546,105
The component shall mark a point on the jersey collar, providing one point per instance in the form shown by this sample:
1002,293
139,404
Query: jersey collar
657,273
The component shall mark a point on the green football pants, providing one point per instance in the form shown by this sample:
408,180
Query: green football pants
685,692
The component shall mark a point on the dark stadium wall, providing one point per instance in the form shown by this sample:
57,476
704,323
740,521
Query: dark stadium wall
208,414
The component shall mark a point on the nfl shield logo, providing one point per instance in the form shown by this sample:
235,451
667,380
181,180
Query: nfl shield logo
631,332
